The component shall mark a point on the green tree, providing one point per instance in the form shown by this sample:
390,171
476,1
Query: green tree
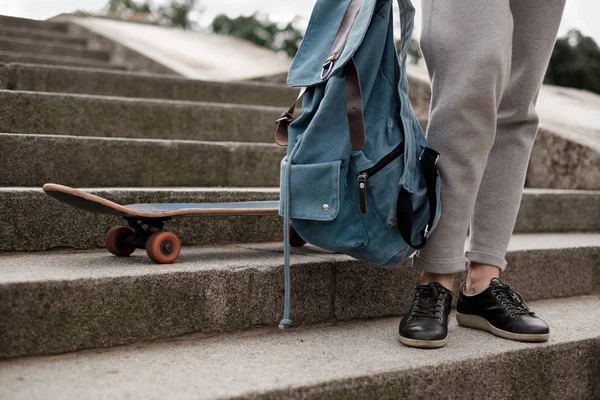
575,62
260,31
127,8
291,39
176,13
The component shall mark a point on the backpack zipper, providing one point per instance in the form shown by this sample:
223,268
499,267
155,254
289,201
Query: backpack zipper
367,173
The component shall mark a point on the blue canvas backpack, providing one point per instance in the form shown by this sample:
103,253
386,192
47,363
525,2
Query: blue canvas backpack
358,177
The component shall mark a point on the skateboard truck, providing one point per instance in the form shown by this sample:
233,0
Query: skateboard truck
142,234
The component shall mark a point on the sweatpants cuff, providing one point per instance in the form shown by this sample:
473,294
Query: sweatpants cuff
486,258
439,267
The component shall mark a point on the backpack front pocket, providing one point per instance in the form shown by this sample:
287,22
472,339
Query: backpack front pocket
369,174
378,187
374,189
314,190
320,208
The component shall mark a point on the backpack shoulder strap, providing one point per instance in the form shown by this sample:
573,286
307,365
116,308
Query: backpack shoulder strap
281,133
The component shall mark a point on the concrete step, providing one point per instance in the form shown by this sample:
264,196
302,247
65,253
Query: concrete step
358,360
43,47
558,210
46,36
560,162
32,160
48,60
62,301
25,23
42,78
87,115
33,221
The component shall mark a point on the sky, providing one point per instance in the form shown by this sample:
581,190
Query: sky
581,14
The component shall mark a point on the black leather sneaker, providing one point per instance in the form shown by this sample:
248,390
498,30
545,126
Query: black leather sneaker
425,324
500,310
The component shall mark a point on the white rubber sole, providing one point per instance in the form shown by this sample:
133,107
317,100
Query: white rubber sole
423,344
477,322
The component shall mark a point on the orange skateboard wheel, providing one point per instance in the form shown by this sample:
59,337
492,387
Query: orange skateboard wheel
163,247
114,241
295,239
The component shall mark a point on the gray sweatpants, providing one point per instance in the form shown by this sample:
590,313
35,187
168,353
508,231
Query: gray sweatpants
486,62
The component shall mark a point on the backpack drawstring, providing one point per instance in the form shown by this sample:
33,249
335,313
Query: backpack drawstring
286,321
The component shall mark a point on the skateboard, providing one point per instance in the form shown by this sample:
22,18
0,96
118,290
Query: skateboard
146,221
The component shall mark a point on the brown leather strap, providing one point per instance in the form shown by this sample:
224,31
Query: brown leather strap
341,37
281,133
354,110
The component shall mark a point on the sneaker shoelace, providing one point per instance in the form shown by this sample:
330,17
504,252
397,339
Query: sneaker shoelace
512,300
423,305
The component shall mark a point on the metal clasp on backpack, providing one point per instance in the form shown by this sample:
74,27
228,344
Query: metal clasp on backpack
426,231
327,69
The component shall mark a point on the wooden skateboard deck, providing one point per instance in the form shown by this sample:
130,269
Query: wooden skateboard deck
99,205
146,221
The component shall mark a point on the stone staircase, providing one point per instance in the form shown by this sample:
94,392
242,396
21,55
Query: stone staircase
76,322
46,42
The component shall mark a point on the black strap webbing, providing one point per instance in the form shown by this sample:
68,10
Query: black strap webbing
404,207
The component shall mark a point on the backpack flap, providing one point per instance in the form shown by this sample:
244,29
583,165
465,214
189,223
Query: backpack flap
308,66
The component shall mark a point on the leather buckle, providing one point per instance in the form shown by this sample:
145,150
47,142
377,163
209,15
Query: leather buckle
437,155
286,116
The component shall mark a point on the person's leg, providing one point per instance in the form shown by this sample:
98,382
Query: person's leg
485,302
536,24
467,48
